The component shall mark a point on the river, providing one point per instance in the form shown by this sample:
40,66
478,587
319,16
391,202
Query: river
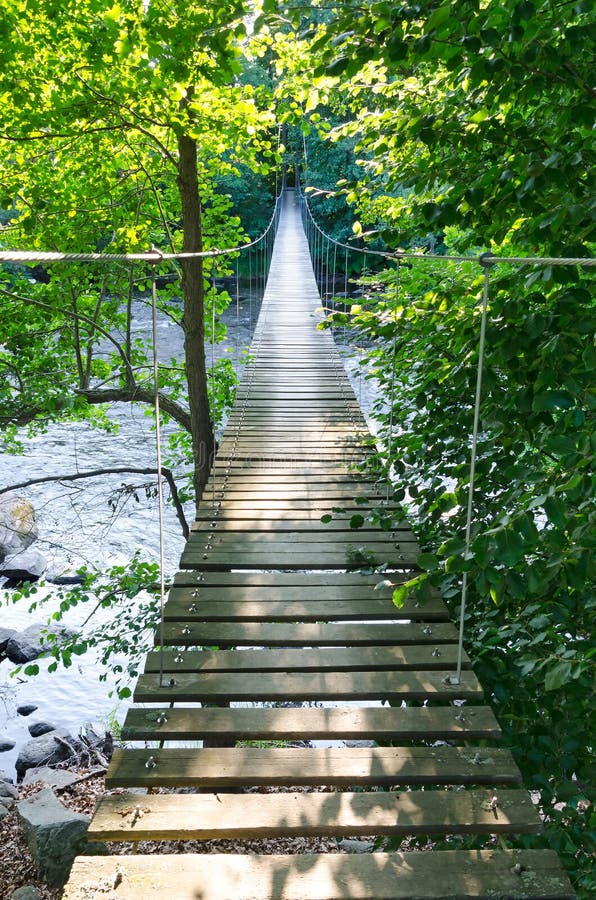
77,526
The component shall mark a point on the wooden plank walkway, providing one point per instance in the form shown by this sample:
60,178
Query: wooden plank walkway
269,610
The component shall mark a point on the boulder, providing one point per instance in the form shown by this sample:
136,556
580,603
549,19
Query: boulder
54,835
45,751
6,744
25,709
4,811
4,776
5,636
31,643
17,525
27,892
36,729
27,565
8,791
57,778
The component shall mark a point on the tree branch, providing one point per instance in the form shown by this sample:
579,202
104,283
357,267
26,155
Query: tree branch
137,394
117,470
80,317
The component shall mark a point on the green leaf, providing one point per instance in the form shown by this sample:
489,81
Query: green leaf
326,518
509,546
356,521
400,595
427,561
547,401
555,510
558,676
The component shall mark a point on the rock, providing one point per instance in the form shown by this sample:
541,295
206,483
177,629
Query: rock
352,845
44,751
8,790
64,578
17,525
25,709
27,892
27,565
58,778
54,835
4,811
36,729
5,636
5,777
6,744
30,643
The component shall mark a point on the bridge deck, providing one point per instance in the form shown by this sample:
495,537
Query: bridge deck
262,573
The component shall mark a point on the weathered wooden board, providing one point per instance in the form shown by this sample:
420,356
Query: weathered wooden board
319,580
254,480
257,816
225,687
336,659
236,590
289,611
314,493
382,723
276,513
337,530
444,875
224,538
293,556
316,508
288,766
307,634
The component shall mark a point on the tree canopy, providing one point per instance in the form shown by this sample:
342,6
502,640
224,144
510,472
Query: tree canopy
117,124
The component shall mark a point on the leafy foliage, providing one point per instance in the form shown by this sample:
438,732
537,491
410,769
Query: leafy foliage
97,103
120,626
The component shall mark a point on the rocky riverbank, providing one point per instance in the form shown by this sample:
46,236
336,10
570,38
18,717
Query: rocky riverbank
45,816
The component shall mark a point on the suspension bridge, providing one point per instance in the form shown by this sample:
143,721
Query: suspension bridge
352,719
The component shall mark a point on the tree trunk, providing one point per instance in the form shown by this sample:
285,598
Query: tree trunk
193,321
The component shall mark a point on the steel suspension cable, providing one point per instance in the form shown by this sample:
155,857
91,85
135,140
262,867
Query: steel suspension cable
473,456
160,502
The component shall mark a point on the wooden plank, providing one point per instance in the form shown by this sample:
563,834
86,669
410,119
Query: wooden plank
306,514
314,493
312,723
273,542
336,659
305,488
167,817
220,610
225,538
317,509
285,611
310,531
444,875
249,479
225,687
251,602
318,580
256,634
290,766
293,558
